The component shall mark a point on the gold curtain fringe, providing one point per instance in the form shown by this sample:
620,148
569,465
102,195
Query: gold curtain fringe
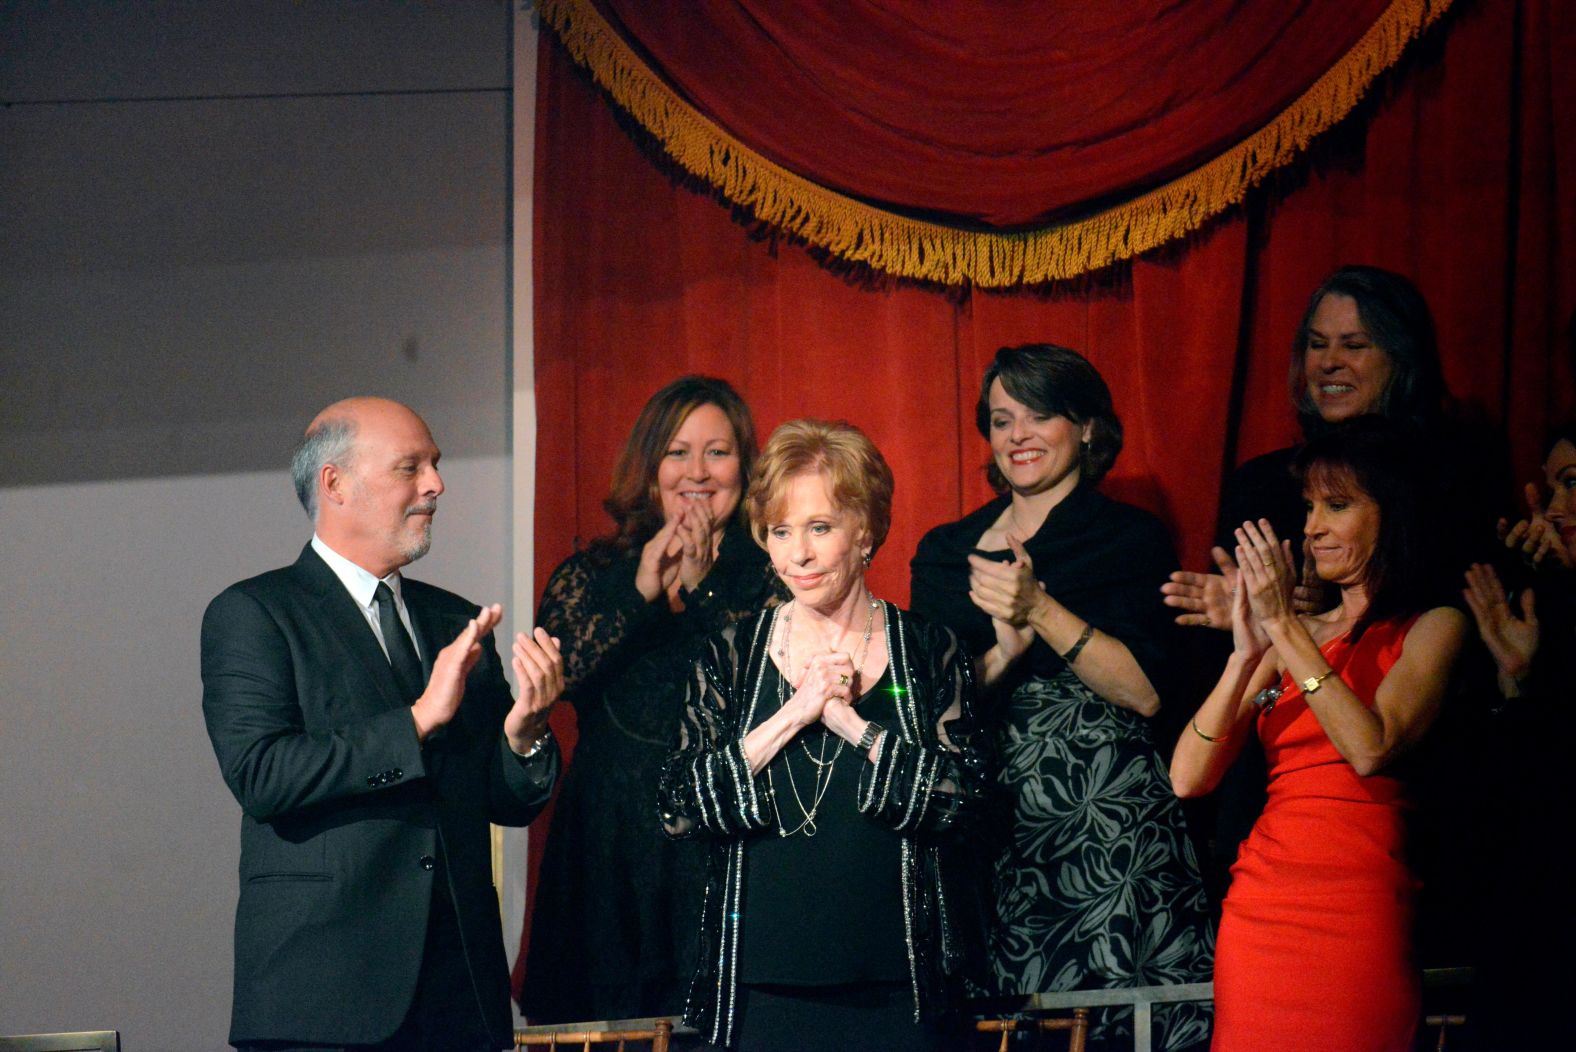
910,248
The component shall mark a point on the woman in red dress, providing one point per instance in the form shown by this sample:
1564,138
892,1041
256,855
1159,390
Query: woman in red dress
1314,949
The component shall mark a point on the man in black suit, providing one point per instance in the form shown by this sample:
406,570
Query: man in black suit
363,721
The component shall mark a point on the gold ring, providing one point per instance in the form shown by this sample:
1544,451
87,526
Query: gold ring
843,679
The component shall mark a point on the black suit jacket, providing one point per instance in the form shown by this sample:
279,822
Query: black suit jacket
345,814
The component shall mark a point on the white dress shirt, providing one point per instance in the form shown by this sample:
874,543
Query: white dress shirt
363,588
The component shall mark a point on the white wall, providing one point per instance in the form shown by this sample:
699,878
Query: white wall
183,282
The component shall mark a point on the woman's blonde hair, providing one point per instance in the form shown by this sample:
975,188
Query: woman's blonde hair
858,476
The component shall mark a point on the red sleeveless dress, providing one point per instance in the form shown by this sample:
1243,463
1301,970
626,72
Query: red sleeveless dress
1314,950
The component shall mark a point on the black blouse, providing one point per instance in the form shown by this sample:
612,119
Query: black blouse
824,909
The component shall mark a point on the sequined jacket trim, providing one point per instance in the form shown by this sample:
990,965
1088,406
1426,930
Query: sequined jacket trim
927,789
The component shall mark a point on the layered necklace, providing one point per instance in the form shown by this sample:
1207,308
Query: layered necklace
822,764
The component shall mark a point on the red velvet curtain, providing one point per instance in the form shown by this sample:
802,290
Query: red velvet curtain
1461,174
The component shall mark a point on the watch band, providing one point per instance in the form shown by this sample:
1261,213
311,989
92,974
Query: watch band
873,730
537,746
1312,684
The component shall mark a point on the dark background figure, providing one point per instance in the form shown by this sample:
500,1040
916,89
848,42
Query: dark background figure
829,758
368,762
1367,345
1052,587
612,934
1315,946
1526,921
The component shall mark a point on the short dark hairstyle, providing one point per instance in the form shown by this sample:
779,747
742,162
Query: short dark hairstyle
1381,458
1562,432
1398,319
1056,381
634,502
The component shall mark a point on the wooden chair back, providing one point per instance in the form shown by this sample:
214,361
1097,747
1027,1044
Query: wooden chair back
1077,1027
659,1034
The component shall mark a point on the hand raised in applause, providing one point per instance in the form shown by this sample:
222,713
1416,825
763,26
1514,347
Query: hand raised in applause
539,671
659,560
1266,573
1512,640
1535,537
1006,591
446,686
1203,598
697,549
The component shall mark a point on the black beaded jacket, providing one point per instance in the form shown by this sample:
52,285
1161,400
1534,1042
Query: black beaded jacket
929,781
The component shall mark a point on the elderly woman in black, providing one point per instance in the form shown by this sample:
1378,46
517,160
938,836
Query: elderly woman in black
1052,586
828,751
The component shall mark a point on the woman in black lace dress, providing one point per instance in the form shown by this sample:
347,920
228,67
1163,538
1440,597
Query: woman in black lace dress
1053,587
612,935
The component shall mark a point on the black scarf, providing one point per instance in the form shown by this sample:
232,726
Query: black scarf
1102,559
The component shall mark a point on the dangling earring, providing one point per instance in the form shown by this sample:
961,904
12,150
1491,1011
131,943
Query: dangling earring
866,558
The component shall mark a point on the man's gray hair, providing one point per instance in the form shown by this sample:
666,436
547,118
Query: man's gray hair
330,442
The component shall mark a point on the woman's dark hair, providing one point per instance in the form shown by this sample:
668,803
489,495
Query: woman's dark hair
1564,432
634,503
1381,459
1055,381
1399,322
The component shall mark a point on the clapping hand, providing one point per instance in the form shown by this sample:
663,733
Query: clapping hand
539,671
694,533
1536,537
1204,598
1266,574
1511,640
446,686
1006,591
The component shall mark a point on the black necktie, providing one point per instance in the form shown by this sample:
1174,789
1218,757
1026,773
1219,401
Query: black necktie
402,653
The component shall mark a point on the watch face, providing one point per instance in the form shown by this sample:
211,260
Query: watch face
1266,699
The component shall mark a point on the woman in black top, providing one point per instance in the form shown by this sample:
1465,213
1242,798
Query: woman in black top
616,909
1527,921
827,750
1052,587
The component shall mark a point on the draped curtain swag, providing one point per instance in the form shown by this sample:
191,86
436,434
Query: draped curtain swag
994,144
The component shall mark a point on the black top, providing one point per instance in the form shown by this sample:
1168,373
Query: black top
824,909
1102,559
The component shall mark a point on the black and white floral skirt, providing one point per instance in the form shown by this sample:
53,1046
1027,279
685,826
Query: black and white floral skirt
1099,886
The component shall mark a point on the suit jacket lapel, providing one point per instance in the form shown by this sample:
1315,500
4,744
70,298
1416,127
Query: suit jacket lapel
348,627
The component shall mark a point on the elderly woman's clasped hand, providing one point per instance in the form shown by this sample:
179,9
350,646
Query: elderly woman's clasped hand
828,679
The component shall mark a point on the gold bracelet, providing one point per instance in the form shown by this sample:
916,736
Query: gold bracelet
1201,734
1312,684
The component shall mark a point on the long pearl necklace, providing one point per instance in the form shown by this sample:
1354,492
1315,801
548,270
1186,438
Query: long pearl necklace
823,766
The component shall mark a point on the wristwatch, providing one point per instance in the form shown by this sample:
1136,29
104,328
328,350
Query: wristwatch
873,730
537,746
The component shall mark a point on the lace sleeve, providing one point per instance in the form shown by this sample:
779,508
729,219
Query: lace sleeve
595,612
939,783
706,785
